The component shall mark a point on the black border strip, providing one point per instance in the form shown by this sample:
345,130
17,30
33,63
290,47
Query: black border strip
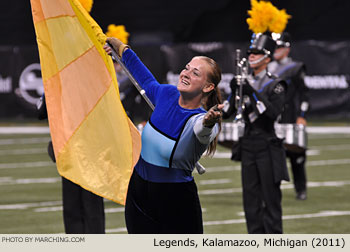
154,127
177,140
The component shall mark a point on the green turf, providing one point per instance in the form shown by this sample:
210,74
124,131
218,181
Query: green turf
217,207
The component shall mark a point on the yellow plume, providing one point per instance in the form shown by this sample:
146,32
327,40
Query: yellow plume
87,4
118,31
266,17
280,22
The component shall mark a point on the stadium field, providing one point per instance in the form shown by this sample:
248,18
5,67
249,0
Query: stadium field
30,199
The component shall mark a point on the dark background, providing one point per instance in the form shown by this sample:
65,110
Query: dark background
320,33
164,21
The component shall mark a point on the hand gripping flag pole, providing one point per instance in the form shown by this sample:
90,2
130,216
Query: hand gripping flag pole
200,168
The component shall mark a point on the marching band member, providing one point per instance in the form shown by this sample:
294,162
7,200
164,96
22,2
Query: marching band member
260,151
296,105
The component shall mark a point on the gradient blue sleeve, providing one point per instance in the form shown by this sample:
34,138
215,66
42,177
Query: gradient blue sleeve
141,74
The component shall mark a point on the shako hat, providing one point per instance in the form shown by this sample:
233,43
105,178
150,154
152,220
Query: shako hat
262,44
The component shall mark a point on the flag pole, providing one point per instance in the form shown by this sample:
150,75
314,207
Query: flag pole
131,77
200,168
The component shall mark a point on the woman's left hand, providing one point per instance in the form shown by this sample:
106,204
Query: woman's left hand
213,115
108,49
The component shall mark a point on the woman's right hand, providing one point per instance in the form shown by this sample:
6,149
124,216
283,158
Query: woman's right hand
213,115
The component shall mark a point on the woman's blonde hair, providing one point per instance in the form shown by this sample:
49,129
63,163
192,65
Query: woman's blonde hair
213,97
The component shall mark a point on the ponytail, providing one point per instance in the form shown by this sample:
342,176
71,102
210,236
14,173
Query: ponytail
214,96
213,99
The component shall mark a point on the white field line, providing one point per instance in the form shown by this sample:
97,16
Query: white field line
214,181
33,140
8,180
331,147
24,130
115,210
11,181
116,230
321,214
286,217
220,191
222,168
60,208
48,209
328,162
310,184
29,205
23,151
107,210
228,154
201,192
49,206
328,130
222,154
207,223
313,151
308,163
26,164
328,136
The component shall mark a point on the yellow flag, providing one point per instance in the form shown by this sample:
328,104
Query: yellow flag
96,145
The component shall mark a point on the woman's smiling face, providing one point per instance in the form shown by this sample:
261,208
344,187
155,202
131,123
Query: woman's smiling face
194,77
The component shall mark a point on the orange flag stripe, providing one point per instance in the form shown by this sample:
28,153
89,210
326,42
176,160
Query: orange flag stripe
80,92
51,9
55,43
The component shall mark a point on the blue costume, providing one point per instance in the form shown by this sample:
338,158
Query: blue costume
162,195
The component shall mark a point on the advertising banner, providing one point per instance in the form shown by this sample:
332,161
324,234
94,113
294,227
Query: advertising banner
327,73
20,82
328,76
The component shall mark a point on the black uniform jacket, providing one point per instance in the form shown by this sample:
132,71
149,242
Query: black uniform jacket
297,100
264,98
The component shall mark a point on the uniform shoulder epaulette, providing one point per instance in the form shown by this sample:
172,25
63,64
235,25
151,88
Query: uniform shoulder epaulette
271,76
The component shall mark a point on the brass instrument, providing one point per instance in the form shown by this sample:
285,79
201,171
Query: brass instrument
231,132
